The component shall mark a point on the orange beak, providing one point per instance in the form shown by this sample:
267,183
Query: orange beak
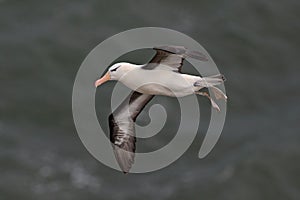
102,80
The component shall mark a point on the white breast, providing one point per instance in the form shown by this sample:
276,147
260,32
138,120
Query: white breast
159,82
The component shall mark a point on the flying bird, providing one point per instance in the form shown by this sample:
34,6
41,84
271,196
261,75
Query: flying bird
161,76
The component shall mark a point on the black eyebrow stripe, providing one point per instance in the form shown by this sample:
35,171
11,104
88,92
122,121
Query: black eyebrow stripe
115,69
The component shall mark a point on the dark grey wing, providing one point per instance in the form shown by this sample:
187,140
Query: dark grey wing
184,52
165,60
122,128
171,57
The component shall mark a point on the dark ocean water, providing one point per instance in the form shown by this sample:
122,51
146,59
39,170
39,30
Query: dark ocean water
254,43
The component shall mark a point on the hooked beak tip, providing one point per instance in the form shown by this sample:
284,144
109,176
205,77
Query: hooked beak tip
97,84
102,80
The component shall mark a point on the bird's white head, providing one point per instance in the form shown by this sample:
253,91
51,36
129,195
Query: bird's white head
115,72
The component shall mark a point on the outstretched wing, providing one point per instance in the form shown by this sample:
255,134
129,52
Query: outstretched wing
171,57
122,129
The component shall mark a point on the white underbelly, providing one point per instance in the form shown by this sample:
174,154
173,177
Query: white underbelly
160,82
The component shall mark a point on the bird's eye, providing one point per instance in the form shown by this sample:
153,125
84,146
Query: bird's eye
115,69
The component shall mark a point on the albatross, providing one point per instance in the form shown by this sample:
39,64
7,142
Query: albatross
160,76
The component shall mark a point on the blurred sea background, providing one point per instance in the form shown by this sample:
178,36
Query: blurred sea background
255,43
